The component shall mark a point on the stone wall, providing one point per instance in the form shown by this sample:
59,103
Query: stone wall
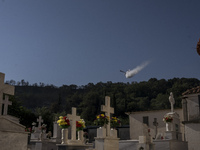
192,106
12,135
10,140
192,133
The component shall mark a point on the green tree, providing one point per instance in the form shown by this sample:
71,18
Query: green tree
161,101
26,116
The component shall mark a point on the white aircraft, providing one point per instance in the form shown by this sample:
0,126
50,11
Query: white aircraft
131,73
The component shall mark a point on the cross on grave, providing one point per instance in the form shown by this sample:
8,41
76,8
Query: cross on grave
73,118
40,121
6,102
4,88
155,123
108,110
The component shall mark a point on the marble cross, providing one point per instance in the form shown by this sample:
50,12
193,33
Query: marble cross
4,88
6,102
108,110
40,121
73,118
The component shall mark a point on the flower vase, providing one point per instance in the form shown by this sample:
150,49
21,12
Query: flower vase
168,126
64,137
101,132
42,136
113,133
80,135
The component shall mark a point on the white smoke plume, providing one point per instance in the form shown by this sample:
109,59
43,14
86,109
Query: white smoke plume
131,73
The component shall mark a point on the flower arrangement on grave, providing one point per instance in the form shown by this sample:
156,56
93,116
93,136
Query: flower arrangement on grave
28,130
80,125
43,127
63,122
114,122
167,119
101,120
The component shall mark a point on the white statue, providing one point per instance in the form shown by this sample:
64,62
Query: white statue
172,101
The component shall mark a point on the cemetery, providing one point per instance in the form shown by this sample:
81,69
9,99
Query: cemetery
149,130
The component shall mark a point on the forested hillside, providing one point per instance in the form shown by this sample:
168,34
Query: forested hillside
49,100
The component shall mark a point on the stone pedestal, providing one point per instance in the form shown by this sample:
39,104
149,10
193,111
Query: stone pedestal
35,136
43,136
64,136
145,143
168,126
113,133
108,143
172,135
80,136
173,128
175,124
56,132
101,132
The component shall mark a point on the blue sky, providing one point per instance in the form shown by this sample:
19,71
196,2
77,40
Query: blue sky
88,41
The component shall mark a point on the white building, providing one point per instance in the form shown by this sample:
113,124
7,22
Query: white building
189,116
154,121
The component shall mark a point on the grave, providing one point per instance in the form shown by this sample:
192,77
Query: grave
108,140
74,143
56,132
39,140
35,136
172,138
145,141
13,135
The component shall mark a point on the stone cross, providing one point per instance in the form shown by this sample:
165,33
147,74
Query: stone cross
40,121
155,123
73,118
6,102
108,110
4,88
172,101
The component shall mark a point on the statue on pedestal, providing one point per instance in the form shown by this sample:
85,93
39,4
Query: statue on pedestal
172,101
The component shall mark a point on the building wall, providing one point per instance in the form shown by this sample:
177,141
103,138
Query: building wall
192,133
136,122
192,106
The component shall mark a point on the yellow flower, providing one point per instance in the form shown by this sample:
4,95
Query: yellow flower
115,118
102,115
